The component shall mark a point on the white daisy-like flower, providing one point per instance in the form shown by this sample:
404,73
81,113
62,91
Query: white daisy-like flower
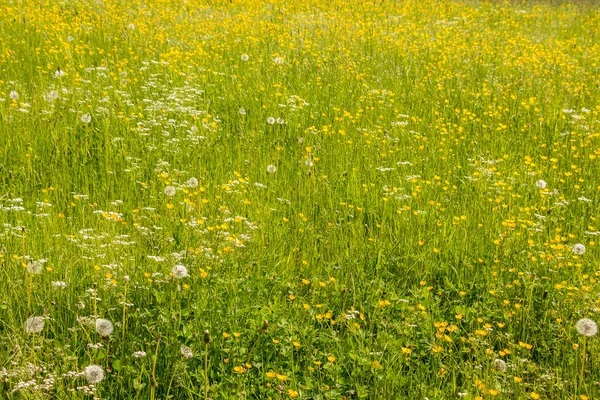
34,267
86,118
139,354
586,327
578,249
179,271
59,285
34,324
104,327
93,374
186,351
13,95
192,182
245,57
541,184
271,168
270,120
170,191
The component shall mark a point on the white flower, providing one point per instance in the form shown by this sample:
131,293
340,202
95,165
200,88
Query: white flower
499,365
86,118
586,327
245,57
34,324
541,184
192,182
186,351
14,95
278,60
280,121
179,271
270,120
308,162
59,285
34,267
242,111
139,354
59,73
94,374
170,191
578,249
104,327
131,27
271,168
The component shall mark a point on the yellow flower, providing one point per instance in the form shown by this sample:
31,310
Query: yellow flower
292,393
375,364
239,369
406,350
271,374
534,395
331,358
282,377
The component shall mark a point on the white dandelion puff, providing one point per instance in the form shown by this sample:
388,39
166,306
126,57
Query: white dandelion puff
280,121
170,191
104,327
499,365
578,249
245,57
131,27
586,327
34,324
270,120
94,374
278,60
13,95
186,351
271,168
34,267
242,111
86,118
192,182
59,73
541,184
179,271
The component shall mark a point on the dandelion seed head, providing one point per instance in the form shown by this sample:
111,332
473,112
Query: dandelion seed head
34,324
93,374
578,249
245,57
170,191
86,118
13,95
271,168
499,365
179,271
192,182
541,184
34,267
186,352
270,120
586,327
104,327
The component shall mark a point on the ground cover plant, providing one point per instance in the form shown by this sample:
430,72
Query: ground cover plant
317,199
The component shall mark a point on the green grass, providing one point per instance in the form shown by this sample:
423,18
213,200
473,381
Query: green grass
384,239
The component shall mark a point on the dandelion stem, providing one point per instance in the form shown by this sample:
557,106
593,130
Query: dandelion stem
581,372
206,371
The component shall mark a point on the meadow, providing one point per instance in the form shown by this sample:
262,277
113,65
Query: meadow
311,199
